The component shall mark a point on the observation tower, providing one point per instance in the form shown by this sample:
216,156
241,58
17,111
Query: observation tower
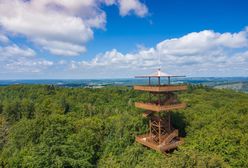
162,99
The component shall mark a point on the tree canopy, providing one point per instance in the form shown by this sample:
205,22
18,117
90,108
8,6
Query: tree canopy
49,126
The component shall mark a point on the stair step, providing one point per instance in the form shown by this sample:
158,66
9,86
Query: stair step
171,136
147,113
171,145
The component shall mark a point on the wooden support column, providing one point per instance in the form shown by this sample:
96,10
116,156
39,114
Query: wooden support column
159,99
169,120
159,132
150,92
158,81
168,80
150,126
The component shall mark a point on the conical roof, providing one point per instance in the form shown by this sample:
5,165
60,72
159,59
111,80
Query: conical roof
157,74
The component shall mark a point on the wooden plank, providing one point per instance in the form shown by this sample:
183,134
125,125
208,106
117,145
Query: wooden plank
147,106
173,145
161,88
144,140
173,107
158,108
141,139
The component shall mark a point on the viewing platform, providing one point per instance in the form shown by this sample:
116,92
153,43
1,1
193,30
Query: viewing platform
159,108
161,88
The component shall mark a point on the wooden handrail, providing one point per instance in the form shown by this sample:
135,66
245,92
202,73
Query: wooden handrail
161,88
159,108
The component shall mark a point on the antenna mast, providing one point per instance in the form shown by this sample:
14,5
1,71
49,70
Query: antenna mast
159,61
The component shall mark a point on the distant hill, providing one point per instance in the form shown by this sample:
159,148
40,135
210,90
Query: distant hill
96,83
238,86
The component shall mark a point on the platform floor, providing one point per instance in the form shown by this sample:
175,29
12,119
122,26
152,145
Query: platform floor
147,140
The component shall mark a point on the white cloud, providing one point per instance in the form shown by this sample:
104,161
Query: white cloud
127,6
14,51
61,47
193,43
30,66
3,39
62,27
15,59
205,53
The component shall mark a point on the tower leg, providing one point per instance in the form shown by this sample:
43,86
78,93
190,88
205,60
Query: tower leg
161,136
150,125
159,132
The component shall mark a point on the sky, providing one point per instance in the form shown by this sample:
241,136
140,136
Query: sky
82,39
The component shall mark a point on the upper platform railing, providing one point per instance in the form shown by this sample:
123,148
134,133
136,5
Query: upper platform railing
160,88
159,75
159,108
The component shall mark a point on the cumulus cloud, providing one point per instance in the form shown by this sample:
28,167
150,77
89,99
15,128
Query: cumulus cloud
128,6
14,51
203,53
16,59
62,27
3,39
195,42
30,66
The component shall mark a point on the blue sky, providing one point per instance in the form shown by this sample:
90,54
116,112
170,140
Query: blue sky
43,39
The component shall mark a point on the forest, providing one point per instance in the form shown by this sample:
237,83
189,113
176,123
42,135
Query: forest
50,126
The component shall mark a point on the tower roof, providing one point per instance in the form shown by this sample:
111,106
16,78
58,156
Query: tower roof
157,74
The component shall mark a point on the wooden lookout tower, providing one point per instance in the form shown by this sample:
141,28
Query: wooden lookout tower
162,98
